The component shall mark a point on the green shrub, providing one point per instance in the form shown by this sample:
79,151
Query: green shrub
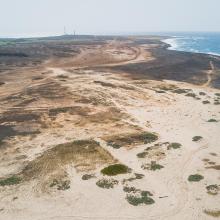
155,166
142,154
212,120
114,145
143,198
152,166
146,193
134,200
139,176
87,176
13,180
160,91
206,102
64,185
195,178
173,146
196,138
180,91
128,189
202,93
107,183
193,95
149,137
60,185
212,189
213,213
115,169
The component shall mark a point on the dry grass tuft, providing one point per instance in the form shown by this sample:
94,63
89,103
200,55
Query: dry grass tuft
133,139
85,155
213,213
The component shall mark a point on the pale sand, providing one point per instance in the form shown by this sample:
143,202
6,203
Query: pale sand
174,117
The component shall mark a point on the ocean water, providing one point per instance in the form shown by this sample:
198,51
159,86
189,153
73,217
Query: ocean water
208,43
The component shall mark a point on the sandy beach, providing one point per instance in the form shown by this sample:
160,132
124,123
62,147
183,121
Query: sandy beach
109,128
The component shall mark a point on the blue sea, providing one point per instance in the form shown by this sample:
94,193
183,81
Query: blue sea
208,43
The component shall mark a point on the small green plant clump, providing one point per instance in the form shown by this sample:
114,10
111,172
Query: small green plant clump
160,91
136,200
193,95
13,180
206,102
115,169
202,93
87,176
212,120
106,183
114,145
173,146
180,91
213,189
60,185
213,213
149,137
195,178
196,138
142,154
62,76
152,166
137,176
128,189
142,197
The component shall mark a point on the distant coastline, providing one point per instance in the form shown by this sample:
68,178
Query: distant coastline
195,43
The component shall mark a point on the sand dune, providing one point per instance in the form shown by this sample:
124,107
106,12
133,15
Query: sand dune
97,135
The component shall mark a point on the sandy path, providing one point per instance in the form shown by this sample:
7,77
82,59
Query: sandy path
210,73
174,117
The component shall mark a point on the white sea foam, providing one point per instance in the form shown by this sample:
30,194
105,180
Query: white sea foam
177,43
172,42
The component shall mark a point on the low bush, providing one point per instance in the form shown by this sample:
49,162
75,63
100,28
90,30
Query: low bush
202,93
213,189
212,120
193,95
107,183
115,169
152,166
60,184
173,146
128,189
142,154
206,102
142,198
180,91
196,138
213,213
195,178
87,176
114,145
13,180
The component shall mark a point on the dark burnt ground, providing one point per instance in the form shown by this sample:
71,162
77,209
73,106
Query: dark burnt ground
172,65
32,52
20,117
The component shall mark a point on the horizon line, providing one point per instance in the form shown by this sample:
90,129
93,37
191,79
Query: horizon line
127,33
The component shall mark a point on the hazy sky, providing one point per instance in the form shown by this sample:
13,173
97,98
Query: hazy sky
48,17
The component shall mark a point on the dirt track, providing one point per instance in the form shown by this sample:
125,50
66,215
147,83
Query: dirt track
85,100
